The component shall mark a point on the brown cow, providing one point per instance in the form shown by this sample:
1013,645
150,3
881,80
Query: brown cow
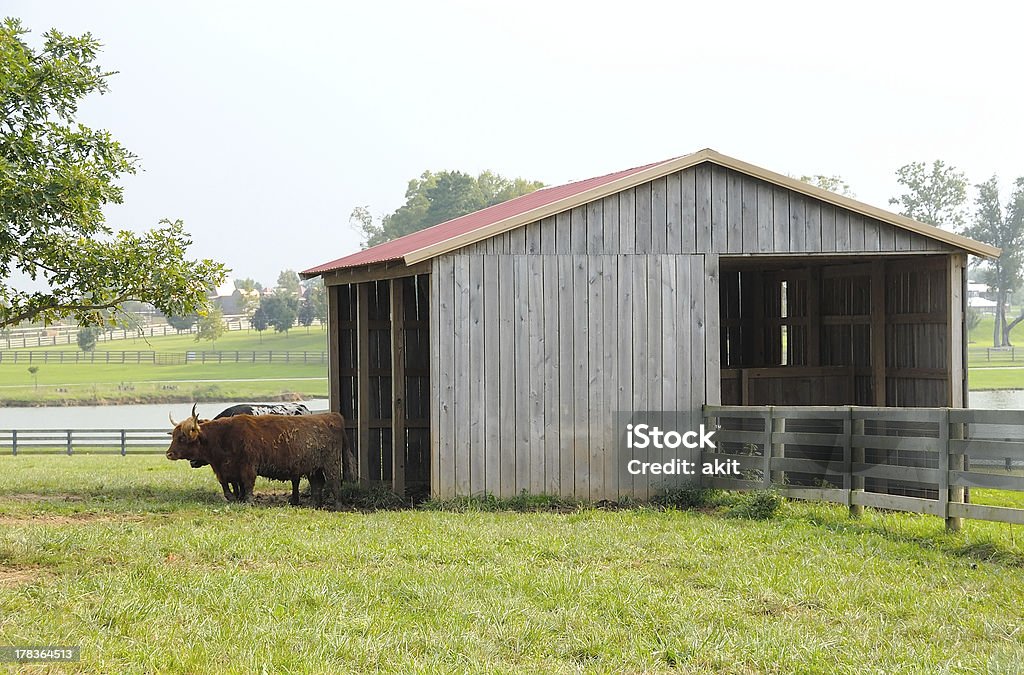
240,447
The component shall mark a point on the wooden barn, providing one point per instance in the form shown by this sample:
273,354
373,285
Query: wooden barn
504,351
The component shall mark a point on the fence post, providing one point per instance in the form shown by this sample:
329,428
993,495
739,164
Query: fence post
69,441
124,443
856,457
778,449
14,442
956,462
766,472
943,439
848,457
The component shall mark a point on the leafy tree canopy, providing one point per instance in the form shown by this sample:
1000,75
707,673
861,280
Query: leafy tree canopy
436,197
833,183
87,337
281,310
211,326
288,280
936,196
55,177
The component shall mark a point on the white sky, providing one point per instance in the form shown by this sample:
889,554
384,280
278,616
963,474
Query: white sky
262,125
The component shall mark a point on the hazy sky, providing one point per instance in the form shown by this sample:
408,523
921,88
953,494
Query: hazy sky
262,125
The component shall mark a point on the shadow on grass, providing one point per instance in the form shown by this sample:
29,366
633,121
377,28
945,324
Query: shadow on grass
897,527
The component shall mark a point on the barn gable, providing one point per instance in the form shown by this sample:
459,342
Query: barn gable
707,208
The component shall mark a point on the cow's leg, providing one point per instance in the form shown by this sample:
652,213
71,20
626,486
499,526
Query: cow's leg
316,487
348,459
294,501
236,487
332,477
226,486
248,483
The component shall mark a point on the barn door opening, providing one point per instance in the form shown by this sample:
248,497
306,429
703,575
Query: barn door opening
383,379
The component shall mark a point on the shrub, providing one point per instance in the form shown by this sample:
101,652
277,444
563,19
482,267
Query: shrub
687,498
756,505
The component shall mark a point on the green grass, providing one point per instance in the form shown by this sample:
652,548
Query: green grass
996,378
140,562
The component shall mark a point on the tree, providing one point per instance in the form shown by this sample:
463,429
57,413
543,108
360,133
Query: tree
436,197
288,280
1004,274
211,326
56,175
248,284
316,294
306,314
281,309
182,322
34,372
935,197
87,337
833,183
259,321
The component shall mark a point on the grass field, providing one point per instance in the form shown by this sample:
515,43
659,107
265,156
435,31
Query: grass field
140,562
147,383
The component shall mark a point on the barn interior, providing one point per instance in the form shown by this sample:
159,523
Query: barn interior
818,331
384,323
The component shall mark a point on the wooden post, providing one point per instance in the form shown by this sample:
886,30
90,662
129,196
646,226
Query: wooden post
363,381
956,494
814,317
856,457
877,351
333,349
778,449
766,471
397,387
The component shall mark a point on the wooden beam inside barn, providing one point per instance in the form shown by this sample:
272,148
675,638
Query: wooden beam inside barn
363,380
398,412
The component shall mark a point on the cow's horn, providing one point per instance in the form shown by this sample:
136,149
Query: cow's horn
171,418
195,415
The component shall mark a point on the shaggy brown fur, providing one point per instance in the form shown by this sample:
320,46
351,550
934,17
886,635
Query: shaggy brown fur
281,447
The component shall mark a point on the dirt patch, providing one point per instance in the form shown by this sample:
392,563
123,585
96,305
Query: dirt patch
71,519
37,498
11,577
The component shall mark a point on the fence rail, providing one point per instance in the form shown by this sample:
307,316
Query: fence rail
922,460
161,358
48,441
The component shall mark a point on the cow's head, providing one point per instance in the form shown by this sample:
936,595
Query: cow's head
186,438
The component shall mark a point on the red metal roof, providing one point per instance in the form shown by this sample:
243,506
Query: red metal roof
396,249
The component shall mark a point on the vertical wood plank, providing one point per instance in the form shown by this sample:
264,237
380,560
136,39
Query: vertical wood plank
843,230
669,294
748,213
566,400
398,405
659,215
641,345
536,336
675,235
334,347
610,219
491,384
609,373
702,189
363,381
581,379
796,223
719,211
578,230
449,362
712,331
734,212
643,218
828,228
533,238
547,236
595,227
695,328
871,235
437,393
878,331
856,232
523,417
765,218
812,225
624,366
552,375
627,221
506,358
476,403
457,387
954,325
598,416
780,220
563,228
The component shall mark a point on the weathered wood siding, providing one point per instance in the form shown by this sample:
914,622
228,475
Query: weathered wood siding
542,350
706,209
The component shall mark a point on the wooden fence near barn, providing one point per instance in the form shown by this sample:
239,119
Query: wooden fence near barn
881,457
